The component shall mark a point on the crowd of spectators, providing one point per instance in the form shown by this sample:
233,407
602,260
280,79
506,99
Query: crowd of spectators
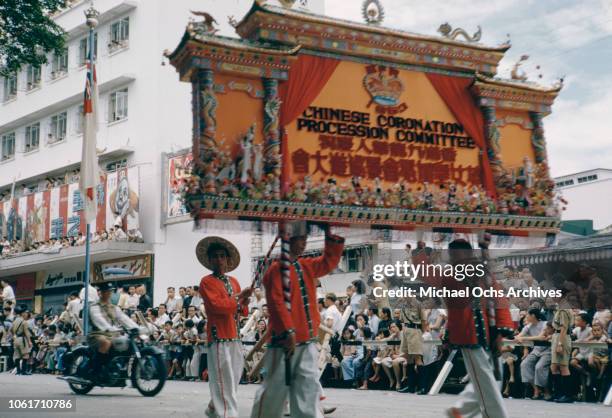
17,248
51,339
362,350
527,369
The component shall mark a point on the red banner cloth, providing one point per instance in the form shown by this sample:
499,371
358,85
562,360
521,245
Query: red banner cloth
307,78
454,91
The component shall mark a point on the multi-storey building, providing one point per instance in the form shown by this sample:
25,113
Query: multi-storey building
144,112
589,196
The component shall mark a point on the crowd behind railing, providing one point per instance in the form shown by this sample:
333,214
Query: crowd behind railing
363,353
50,182
17,248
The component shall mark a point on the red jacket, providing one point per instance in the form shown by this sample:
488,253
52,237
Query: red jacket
281,319
222,310
467,326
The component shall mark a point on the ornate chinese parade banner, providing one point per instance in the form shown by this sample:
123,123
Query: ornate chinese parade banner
57,212
380,128
364,125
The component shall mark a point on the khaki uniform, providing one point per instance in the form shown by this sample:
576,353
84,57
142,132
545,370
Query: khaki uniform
562,320
412,334
22,344
105,318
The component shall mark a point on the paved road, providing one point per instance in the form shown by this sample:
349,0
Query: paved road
187,399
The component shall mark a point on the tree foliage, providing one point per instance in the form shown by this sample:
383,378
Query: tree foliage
28,33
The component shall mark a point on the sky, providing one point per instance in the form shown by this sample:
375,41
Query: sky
565,38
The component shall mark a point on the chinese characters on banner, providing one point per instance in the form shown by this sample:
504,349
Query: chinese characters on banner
392,127
56,213
344,157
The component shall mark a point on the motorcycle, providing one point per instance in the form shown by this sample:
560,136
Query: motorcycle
130,358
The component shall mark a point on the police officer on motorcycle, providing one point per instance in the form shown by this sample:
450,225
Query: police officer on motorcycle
106,321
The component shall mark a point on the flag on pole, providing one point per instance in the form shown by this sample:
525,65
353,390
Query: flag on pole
13,189
90,177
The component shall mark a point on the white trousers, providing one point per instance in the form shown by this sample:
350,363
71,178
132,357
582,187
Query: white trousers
304,391
225,363
482,396
194,365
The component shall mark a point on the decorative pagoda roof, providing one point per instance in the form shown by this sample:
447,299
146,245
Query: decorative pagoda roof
320,33
203,49
515,94
520,85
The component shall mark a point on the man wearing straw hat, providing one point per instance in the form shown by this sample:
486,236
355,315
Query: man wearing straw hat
224,303
292,359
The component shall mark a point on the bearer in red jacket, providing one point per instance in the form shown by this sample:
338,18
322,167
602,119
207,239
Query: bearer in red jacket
470,326
294,323
224,303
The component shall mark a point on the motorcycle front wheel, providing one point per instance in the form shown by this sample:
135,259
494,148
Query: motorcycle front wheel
78,362
149,378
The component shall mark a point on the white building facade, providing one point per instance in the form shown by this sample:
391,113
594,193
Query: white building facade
589,196
144,113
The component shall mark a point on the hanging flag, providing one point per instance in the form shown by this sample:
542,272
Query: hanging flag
90,178
11,218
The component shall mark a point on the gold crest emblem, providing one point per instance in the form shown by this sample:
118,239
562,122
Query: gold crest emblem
385,88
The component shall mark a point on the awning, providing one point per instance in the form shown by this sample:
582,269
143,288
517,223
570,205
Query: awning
576,250
101,251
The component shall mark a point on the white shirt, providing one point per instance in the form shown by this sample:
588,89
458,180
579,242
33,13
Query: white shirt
373,323
74,306
196,301
602,316
173,304
8,294
162,320
195,319
132,301
333,313
582,335
356,307
257,304
92,294
533,330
